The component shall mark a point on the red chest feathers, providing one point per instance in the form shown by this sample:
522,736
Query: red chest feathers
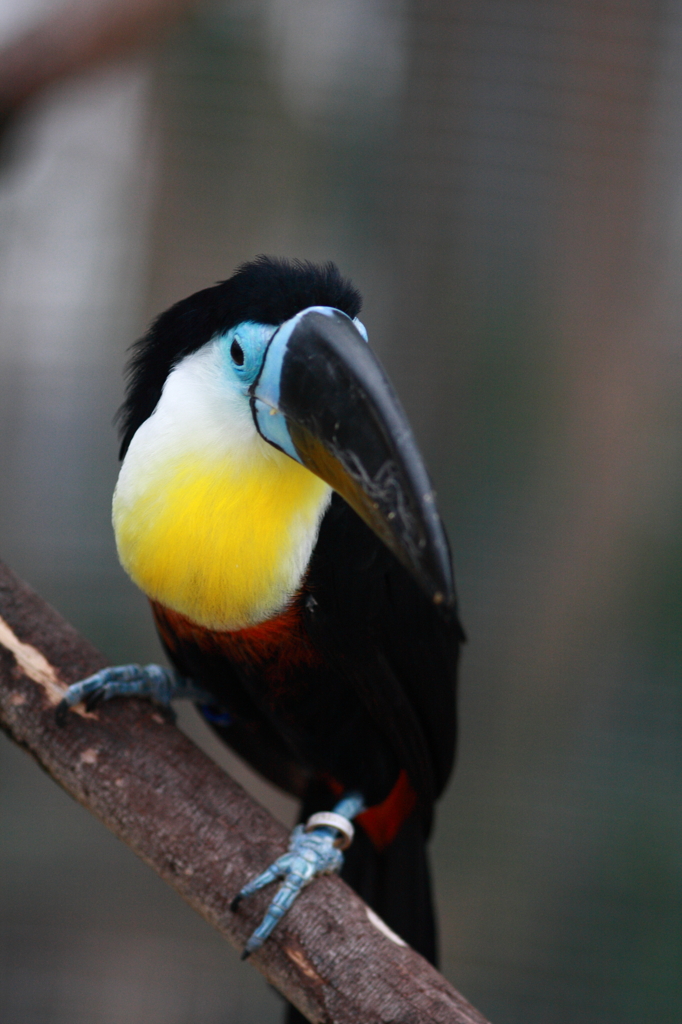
275,649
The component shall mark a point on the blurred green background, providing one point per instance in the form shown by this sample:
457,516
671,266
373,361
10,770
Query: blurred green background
503,181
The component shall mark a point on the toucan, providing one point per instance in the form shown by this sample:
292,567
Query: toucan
273,506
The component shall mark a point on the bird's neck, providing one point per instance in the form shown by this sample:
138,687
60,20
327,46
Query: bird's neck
216,525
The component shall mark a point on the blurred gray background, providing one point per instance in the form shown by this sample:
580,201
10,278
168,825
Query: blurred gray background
503,181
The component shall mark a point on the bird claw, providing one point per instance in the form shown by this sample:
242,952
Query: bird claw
151,681
310,854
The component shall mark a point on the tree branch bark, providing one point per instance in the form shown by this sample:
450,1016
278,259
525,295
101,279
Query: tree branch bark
202,833
77,36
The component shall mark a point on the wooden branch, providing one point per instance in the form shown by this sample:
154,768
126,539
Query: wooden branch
331,956
75,37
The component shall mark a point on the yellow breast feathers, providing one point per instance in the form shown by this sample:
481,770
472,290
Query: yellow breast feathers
209,519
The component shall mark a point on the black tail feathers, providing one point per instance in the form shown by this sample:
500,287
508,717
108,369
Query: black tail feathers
396,884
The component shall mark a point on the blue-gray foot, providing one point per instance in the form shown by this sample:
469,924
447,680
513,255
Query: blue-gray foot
159,684
314,849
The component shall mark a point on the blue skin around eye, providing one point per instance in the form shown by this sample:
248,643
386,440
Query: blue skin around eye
258,342
253,340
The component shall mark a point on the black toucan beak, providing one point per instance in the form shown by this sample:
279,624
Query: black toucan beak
323,398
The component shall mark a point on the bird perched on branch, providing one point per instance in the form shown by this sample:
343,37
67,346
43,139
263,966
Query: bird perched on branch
273,506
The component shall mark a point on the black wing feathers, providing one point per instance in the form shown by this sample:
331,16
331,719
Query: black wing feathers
398,651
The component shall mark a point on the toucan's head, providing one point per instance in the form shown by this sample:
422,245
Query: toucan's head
293,360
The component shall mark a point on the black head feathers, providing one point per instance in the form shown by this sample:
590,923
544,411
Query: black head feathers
266,291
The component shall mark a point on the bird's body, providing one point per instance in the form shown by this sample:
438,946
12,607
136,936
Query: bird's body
329,662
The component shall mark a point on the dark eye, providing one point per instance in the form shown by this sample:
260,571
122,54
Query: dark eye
237,353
